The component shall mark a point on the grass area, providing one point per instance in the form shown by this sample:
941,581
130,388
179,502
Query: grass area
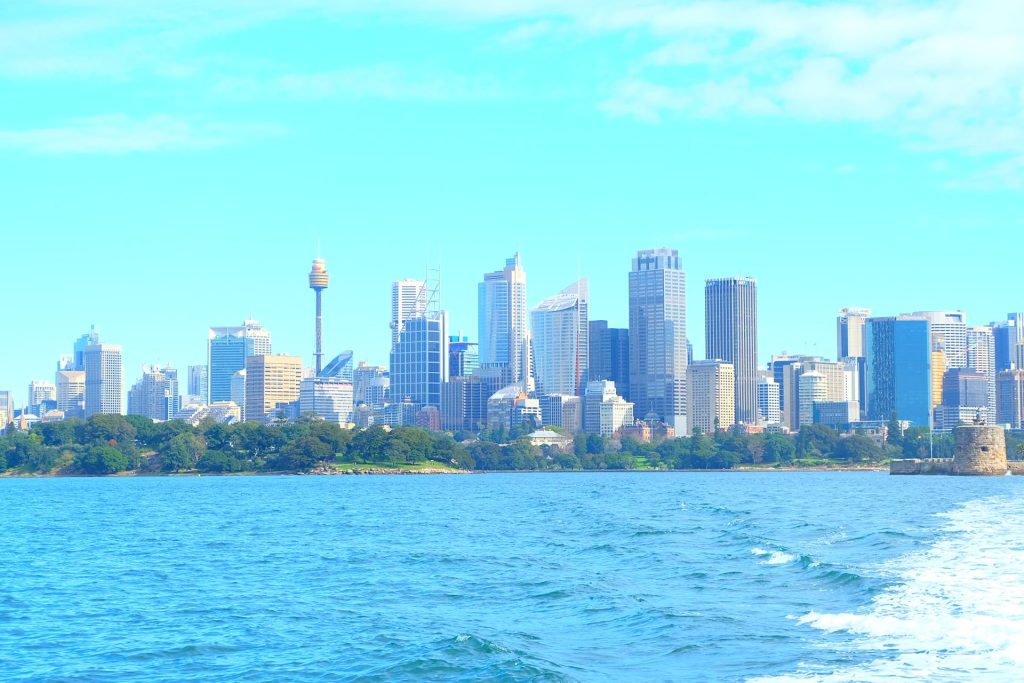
409,467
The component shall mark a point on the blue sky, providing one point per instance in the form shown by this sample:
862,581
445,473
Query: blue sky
167,166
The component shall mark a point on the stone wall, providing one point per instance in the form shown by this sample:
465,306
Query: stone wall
914,466
980,450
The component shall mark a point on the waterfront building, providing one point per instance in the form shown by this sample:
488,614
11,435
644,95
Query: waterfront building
711,388
71,392
769,406
564,411
104,380
609,355
408,300
1010,385
199,382
657,337
271,384
502,318
463,357
546,437
227,350
561,346
899,369
156,394
419,360
730,325
329,398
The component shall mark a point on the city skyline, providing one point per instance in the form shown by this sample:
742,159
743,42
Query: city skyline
303,344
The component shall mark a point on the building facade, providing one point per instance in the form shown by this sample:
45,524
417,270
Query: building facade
227,350
730,325
503,322
71,392
1010,385
609,355
271,384
899,378
419,360
155,395
199,382
104,380
329,398
561,347
657,337
408,300
711,388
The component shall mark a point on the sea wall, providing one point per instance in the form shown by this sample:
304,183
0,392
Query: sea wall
915,466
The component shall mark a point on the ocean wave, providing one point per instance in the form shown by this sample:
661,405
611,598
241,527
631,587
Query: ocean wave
773,558
953,611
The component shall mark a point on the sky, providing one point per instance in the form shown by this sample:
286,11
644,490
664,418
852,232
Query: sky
168,166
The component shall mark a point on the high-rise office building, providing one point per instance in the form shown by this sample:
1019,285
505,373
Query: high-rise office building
1008,337
71,392
199,382
271,385
730,326
502,317
813,388
769,406
981,358
408,300
370,384
711,389
604,411
561,346
156,394
899,378
90,338
463,356
227,351
104,380
6,409
1010,384
238,391
329,398
609,355
836,384
564,411
340,367
657,337
41,392
851,332
949,334
419,360
464,401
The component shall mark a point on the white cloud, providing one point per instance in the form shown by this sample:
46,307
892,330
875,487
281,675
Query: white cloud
120,134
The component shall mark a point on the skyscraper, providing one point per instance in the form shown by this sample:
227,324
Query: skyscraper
155,395
981,358
71,392
949,332
768,403
561,346
711,388
227,350
463,356
327,397
657,337
271,384
851,332
199,382
104,380
340,367
90,338
370,384
609,355
318,281
1011,398
6,409
408,300
730,324
419,360
1009,339
502,318
41,391
899,369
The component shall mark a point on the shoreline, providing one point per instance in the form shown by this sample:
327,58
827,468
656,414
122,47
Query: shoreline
387,471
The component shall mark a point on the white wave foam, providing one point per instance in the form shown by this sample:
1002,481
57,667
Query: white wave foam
956,611
773,557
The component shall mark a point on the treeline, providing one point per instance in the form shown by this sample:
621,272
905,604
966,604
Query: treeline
107,444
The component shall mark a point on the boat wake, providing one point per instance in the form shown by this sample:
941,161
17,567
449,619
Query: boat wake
954,612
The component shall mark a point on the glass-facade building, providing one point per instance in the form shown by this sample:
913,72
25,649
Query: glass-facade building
657,337
730,324
609,355
227,349
561,346
419,360
899,377
502,319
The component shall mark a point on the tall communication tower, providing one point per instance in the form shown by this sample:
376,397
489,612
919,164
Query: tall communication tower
318,280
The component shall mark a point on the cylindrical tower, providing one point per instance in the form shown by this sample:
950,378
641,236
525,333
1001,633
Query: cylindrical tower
980,450
318,280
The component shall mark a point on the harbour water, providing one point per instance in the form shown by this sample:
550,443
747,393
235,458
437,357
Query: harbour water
786,576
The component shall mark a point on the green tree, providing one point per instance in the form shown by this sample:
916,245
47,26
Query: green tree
815,441
367,445
182,453
301,455
101,460
778,449
112,430
219,461
60,434
858,448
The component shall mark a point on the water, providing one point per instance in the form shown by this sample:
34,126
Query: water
519,577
